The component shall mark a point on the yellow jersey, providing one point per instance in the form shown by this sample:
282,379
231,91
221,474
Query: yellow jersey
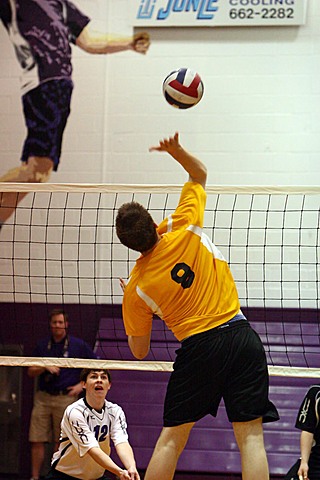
184,280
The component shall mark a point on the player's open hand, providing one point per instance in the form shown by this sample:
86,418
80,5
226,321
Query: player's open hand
141,42
169,145
303,470
124,475
134,475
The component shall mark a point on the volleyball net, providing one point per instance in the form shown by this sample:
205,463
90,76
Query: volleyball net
60,249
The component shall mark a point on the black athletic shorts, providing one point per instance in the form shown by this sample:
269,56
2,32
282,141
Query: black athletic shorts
46,111
226,362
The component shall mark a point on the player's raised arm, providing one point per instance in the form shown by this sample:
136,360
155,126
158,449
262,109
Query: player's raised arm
194,167
95,42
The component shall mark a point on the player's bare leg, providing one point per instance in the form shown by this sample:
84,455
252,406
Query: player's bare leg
38,170
167,451
37,458
249,437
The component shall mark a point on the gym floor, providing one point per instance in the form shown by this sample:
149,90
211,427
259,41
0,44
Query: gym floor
178,476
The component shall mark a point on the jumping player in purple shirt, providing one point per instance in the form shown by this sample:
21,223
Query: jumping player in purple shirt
41,32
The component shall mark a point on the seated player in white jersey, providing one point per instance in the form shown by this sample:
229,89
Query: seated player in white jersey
86,429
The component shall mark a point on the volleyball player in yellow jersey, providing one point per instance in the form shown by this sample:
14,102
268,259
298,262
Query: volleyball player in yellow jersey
183,278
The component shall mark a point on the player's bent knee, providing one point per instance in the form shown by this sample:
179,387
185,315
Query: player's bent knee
175,437
42,177
248,431
38,169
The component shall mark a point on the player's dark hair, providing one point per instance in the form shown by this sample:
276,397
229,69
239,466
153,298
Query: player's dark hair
85,372
58,311
135,227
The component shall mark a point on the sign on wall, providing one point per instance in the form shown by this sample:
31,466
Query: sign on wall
217,13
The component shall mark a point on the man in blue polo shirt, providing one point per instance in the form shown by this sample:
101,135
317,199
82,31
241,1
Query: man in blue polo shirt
41,33
57,387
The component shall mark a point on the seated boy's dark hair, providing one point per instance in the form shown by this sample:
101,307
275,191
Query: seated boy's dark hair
135,227
85,372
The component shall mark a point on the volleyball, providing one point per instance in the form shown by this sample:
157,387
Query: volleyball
183,88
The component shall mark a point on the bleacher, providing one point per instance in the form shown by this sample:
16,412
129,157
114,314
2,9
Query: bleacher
211,446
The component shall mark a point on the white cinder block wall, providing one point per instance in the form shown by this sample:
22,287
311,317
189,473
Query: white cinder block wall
258,122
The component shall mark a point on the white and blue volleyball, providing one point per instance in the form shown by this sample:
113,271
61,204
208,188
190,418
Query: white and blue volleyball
183,88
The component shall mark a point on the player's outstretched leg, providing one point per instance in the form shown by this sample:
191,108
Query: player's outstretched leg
37,170
249,437
167,451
